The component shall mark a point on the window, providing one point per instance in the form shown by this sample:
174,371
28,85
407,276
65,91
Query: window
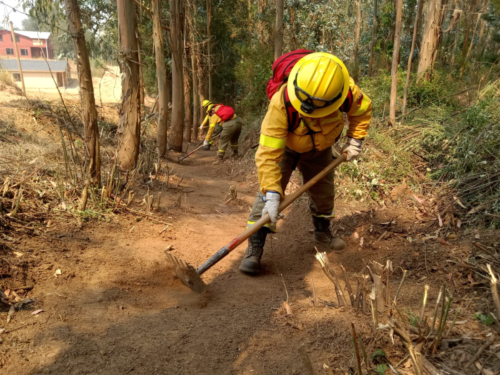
24,52
1,38
16,77
17,38
10,51
37,42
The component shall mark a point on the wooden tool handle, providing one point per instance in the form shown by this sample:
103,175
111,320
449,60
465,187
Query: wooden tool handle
266,219
196,149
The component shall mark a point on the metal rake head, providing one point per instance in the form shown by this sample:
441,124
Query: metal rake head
186,273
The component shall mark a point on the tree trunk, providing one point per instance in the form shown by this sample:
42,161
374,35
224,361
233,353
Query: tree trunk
374,34
414,40
462,69
194,67
188,119
278,32
129,126
467,26
161,75
430,40
87,99
13,36
355,74
395,59
209,48
176,18
142,91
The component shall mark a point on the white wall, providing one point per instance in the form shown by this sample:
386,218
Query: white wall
38,80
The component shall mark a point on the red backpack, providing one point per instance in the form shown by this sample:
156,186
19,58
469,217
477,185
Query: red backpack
281,70
225,112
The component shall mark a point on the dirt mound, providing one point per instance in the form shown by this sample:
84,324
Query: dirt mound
10,89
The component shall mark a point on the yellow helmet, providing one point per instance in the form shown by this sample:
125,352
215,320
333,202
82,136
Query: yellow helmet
210,106
318,84
206,103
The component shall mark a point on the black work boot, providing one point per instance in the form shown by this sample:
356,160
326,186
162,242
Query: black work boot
251,262
235,155
322,234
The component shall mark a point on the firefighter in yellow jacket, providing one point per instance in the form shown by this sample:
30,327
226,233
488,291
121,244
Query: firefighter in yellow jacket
206,121
303,121
223,116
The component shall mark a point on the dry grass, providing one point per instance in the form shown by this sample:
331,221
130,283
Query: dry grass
5,77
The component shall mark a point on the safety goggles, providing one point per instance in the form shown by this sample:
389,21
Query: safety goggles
308,105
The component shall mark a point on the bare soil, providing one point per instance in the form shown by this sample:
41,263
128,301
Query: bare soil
116,307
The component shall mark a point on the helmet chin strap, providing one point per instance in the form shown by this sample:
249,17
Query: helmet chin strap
307,107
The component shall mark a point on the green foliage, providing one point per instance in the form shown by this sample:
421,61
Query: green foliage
377,355
413,319
381,368
487,320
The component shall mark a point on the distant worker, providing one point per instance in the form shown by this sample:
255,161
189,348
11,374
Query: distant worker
205,125
224,116
206,121
309,92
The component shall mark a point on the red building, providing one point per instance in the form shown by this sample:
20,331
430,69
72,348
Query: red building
31,44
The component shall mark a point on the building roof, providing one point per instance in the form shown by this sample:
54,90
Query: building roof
34,34
33,65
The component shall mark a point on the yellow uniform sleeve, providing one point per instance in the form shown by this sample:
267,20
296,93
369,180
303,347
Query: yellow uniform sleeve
214,120
205,122
274,132
360,113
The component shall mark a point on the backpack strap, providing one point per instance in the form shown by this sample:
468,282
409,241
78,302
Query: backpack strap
292,115
294,119
346,106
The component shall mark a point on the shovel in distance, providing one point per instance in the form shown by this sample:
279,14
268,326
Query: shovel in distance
190,277
197,148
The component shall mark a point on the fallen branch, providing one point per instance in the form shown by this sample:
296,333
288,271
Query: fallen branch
325,265
356,349
348,285
494,290
480,351
376,272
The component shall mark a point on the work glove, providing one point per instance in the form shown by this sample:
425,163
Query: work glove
206,143
272,200
352,148
201,127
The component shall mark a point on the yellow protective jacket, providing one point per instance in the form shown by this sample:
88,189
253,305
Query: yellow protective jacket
206,121
275,135
214,120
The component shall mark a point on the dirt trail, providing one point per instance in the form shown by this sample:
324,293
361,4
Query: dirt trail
116,308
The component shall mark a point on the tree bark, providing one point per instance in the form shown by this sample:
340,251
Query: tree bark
414,40
430,39
209,47
161,76
129,125
87,99
188,119
278,32
142,91
18,58
462,69
374,34
194,67
395,59
355,74
176,18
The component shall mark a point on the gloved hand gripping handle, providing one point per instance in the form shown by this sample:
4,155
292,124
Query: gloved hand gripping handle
266,219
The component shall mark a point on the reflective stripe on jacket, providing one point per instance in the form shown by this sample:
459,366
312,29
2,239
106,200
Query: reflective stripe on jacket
275,135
